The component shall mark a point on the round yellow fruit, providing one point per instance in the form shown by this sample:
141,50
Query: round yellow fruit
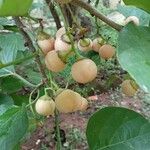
60,32
127,88
84,104
45,106
106,51
84,71
62,43
46,45
68,101
97,44
53,62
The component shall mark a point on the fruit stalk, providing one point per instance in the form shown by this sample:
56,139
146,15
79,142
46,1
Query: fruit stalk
54,13
31,47
94,12
69,36
58,144
23,80
40,65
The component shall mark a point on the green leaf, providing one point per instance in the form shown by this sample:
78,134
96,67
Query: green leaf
13,126
10,44
10,84
8,24
5,21
14,8
33,75
5,103
5,99
19,99
115,128
134,54
144,4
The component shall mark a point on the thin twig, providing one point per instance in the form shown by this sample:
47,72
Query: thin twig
31,47
54,13
94,12
23,80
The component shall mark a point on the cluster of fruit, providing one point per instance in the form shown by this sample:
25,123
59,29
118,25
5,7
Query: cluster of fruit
66,101
83,70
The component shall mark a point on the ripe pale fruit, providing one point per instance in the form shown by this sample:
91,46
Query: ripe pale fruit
62,43
63,1
106,51
84,71
68,101
46,45
53,62
127,88
97,44
133,19
60,32
45,106
84,104
85,44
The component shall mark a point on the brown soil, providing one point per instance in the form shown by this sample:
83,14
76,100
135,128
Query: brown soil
74,124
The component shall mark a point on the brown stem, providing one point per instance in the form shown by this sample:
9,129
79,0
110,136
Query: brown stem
94,12
54,13
63,10
31,47
68,14
41,68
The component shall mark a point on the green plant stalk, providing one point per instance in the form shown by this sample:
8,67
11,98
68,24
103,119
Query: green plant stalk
32,18
31,103
58,144
97,26
69,35
27,38
52,82
73,46
96,3
57,130
23,80
72,15
46,91
41,68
